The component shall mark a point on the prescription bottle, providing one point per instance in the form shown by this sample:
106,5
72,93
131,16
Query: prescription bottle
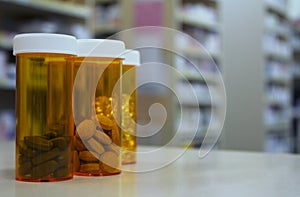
44,123
97,107
129,99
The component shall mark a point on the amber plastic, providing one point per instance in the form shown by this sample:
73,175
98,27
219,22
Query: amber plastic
45,125
129,141
97,138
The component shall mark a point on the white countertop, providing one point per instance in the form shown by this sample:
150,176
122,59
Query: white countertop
221,173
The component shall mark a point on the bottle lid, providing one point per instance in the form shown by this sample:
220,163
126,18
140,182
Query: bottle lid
100,48
44,43
132,57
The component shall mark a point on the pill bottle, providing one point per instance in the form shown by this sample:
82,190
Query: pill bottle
97,107
129,99
44,123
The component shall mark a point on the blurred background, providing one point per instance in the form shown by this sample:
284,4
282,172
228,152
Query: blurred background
255,45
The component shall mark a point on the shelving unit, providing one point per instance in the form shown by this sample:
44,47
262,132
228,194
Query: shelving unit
296,88
259,115
200,20
278,76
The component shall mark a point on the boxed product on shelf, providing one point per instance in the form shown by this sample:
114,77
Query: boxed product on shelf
276,118
279,95
276,143
273,45
278,70
199,11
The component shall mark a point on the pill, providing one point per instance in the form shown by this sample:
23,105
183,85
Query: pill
79,144
116,135
28,152
109,162
44,169
95,146
25,168
37,142
102,137
88,156
62,172
64,158
59,142
86,129
76,161
89,167
46,156
114,148
105,122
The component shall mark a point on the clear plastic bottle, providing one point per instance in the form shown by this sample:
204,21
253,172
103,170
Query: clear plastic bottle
44,123
97,107
129,99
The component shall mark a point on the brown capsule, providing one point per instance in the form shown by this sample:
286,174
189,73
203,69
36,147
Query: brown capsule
62,172
64,158
46,156
44,169
59,142
23,159
25,168
25,150
38,143
51,135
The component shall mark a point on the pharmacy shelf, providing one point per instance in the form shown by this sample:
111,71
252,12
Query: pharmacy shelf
278,56
278,127
279,31
281,10
105,29
279,80
199,53
65,9
211,26
275,102
210,77
182,21
202,103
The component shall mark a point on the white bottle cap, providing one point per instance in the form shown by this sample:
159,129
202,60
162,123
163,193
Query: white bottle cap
44,43
132,57
100,48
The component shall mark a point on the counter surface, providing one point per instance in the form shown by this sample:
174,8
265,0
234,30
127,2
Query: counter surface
221,173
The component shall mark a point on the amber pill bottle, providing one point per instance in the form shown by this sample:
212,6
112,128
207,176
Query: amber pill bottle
44,123
129,99
97,107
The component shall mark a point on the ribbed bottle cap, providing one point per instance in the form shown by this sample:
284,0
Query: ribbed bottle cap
132,57
44,43
100,48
